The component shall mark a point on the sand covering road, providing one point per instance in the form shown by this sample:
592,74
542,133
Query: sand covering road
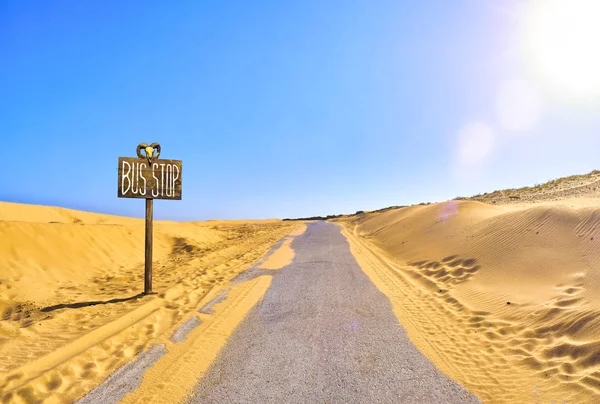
323,333
504,299
69,281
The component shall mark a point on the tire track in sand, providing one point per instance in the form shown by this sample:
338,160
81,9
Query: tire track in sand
324,333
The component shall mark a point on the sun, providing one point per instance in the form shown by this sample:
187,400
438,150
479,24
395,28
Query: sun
561,43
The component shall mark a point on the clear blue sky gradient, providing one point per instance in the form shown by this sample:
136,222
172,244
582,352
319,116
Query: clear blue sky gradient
277,109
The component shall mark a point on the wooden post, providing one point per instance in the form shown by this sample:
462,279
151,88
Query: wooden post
148,260
149,178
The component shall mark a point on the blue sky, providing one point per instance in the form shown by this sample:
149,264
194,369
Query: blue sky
285,109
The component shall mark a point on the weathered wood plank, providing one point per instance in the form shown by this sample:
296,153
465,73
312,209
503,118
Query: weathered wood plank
139,179
148,250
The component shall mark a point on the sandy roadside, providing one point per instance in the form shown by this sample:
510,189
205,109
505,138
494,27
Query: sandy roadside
69,302
503,299
170,369
323,334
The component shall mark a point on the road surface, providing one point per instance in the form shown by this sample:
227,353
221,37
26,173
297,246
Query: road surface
324,334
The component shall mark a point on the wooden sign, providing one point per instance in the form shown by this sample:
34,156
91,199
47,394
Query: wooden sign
160,179
149,178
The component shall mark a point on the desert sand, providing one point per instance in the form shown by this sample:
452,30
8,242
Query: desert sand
70,281
503,297
500,291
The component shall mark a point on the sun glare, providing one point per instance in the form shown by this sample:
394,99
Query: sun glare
475,142
560,41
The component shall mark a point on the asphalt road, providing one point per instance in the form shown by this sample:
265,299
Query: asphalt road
324,334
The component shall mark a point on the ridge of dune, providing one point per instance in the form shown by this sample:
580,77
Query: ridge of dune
23,212
582,186
504,299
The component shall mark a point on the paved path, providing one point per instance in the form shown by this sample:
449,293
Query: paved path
324,334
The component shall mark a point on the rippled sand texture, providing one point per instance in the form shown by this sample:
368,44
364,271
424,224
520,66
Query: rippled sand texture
504,299
70,309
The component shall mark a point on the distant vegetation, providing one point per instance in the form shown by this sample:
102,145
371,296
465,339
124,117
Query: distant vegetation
559,187
316,217
358,212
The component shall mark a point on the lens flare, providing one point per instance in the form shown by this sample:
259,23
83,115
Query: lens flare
518,106
475,142
448,210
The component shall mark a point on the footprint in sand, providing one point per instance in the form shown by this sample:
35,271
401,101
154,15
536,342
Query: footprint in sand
447,272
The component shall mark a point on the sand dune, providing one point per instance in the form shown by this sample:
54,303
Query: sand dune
70,310
504,299
21,212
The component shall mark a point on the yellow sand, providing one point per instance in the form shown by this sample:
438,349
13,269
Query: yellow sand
299,230
284,255
173,378
280,258
69,280
450,270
